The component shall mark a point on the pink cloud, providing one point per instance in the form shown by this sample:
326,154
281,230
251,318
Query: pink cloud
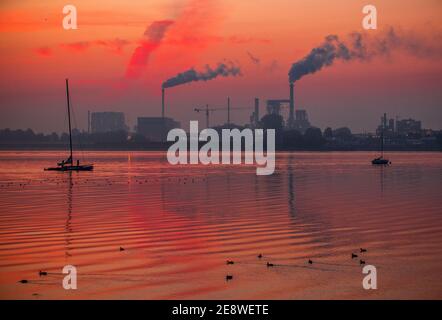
114,45
79,46
44,51
245,40
153,36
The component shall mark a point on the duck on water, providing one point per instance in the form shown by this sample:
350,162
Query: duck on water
68,164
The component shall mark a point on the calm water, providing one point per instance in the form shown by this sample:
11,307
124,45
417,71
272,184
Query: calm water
179,225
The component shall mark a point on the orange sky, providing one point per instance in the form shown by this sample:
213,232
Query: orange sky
37,54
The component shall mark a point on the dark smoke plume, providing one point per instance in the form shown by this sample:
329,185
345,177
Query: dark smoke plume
363,48
222,69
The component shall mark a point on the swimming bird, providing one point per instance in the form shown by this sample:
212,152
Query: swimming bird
269,264
229,277
310,261
363,250
259,256
230,262
23,281
361,261
122,249
42,273
354,255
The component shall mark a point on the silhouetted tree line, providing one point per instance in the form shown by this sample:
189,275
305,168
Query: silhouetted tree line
29,136
340,138
26,136
312,139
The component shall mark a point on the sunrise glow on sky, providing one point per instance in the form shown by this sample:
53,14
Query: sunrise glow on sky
263,37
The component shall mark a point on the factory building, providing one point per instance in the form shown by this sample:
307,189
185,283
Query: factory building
405,127
101,122
408,127
156,128
297,119
386,128
301,122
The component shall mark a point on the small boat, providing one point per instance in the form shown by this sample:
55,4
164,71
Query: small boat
380,160
68,164
77,167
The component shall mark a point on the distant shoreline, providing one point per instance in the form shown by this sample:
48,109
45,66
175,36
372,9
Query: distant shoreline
164,146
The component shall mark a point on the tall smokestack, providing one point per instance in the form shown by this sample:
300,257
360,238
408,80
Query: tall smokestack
162,102
292,106
228,111
256,114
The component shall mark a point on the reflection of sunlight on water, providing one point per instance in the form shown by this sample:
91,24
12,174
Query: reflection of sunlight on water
179,224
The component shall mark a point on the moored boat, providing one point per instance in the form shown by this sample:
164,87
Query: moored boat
381,160
68,164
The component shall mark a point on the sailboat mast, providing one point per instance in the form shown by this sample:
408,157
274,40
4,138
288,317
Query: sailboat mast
382,144
384,120
69,120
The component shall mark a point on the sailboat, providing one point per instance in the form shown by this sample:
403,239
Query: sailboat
68,164
381,160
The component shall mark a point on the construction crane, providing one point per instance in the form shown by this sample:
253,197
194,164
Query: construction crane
207,111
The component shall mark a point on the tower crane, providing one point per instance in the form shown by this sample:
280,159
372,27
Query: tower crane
207,111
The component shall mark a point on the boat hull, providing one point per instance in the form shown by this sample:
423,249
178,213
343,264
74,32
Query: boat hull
380,161
88,167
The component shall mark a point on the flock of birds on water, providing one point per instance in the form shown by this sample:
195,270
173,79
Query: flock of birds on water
229,277
100,181
309,262
140,181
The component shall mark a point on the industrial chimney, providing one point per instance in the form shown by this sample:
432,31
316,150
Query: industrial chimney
88,122
256,113
292,107
162,103
228,111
